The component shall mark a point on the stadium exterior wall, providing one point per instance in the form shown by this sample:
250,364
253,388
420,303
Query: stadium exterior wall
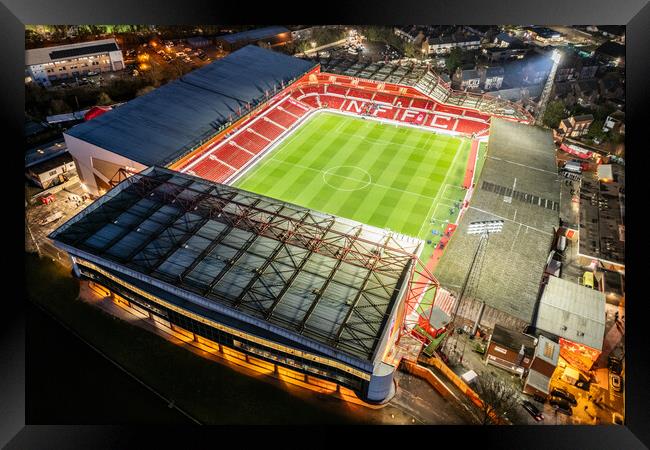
84,153
372,382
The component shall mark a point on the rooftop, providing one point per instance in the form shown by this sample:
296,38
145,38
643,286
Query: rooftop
518,184
602,217
300,273
612,49
513,340
253,35
50,54
159,127
51,163
573,312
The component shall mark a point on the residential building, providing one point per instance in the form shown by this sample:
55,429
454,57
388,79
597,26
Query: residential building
505,40
615,122
544,35
491,77
576,126
544,363
502,54
467,79
443,45
48,64
510,350
587,92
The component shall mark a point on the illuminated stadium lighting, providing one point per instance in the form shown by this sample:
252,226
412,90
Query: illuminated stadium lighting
556,56
487,226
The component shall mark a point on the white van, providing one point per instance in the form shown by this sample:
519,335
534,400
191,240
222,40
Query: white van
561,244
572,166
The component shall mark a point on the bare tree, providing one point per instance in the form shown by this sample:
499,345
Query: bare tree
498,398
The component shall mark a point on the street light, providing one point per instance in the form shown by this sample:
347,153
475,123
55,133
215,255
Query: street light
483,228
556,56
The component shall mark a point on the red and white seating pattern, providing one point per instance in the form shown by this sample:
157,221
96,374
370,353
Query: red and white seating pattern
237,148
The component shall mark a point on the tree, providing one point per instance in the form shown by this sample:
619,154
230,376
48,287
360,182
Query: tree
144,90
454,60
412,51
58,106
104,99
498,398
555,112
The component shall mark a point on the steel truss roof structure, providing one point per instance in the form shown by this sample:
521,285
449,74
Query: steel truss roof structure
329,279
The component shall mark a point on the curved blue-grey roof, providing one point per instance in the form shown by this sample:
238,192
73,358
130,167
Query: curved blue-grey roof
165,124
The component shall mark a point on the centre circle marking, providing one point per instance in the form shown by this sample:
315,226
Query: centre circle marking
364,178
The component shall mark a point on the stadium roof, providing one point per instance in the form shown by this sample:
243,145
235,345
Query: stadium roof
165,124
253,35
49,54
519,185
572,311
331,280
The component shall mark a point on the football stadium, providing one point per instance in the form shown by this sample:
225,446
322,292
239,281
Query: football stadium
285,216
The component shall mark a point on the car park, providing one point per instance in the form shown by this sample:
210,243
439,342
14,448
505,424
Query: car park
532,410
563,394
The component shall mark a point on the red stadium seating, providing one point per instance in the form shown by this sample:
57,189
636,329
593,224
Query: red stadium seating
232,155
357,93
280,117
251,141
267,129
385,98
294,109
333,89
470,113
259,132
212,170
420,103
448,109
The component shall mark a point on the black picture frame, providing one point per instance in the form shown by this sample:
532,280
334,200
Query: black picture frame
14,14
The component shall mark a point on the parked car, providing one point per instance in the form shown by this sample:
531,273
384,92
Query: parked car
561,405
615,381
563,394
532,410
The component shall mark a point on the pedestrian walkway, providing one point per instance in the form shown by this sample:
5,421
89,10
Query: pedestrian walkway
471,164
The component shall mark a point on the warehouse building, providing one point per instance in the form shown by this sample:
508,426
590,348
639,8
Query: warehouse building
170,122
574,316
279,285
48,64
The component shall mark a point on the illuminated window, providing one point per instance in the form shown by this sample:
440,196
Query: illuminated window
548,350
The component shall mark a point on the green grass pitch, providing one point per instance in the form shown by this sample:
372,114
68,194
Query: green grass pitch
402,178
